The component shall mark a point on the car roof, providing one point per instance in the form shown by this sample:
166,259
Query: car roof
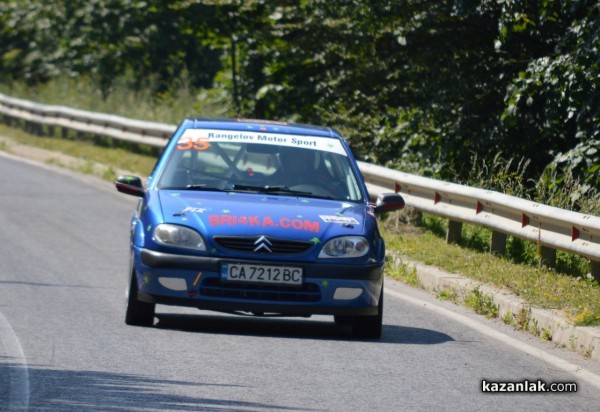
260,125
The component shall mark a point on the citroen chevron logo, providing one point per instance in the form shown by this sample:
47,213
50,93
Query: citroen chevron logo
262,243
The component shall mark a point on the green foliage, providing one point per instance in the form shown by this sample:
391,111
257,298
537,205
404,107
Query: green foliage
168,107
499,174
402,271
420,85
508,318
553,100
586,317
104,39
481,303
545,335
568,185
447,294
523,318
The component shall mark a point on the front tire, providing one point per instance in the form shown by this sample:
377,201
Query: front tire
138,313
369,327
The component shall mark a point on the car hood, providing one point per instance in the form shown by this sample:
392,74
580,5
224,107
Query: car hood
250,214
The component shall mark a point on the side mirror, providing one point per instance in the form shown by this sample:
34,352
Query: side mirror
388,202
130,185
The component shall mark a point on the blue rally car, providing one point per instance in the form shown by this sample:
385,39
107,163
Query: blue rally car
260,218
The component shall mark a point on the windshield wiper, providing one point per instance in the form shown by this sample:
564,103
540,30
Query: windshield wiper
276,189
204,187
268,189
194,187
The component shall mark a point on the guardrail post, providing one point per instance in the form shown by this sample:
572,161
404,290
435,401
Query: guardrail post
595,269
454,232
417,217
548,257
32,127
498,246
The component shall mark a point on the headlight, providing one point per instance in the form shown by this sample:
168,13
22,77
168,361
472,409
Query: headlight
345,247
180,236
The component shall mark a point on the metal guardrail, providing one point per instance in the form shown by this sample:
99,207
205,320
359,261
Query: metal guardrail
551,228
548,226
117,127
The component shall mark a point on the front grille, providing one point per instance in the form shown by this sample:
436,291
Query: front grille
214,287
275,245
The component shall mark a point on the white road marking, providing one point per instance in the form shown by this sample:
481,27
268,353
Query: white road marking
18,377
565,365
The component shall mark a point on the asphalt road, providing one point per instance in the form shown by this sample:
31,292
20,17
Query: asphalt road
64,345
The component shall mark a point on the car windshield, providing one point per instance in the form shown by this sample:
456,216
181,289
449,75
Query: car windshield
276,164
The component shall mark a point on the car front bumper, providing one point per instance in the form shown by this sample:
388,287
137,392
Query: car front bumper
328,289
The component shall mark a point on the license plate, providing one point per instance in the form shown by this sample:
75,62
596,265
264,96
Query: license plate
278,275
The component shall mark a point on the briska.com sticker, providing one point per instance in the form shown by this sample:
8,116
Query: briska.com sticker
266,221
